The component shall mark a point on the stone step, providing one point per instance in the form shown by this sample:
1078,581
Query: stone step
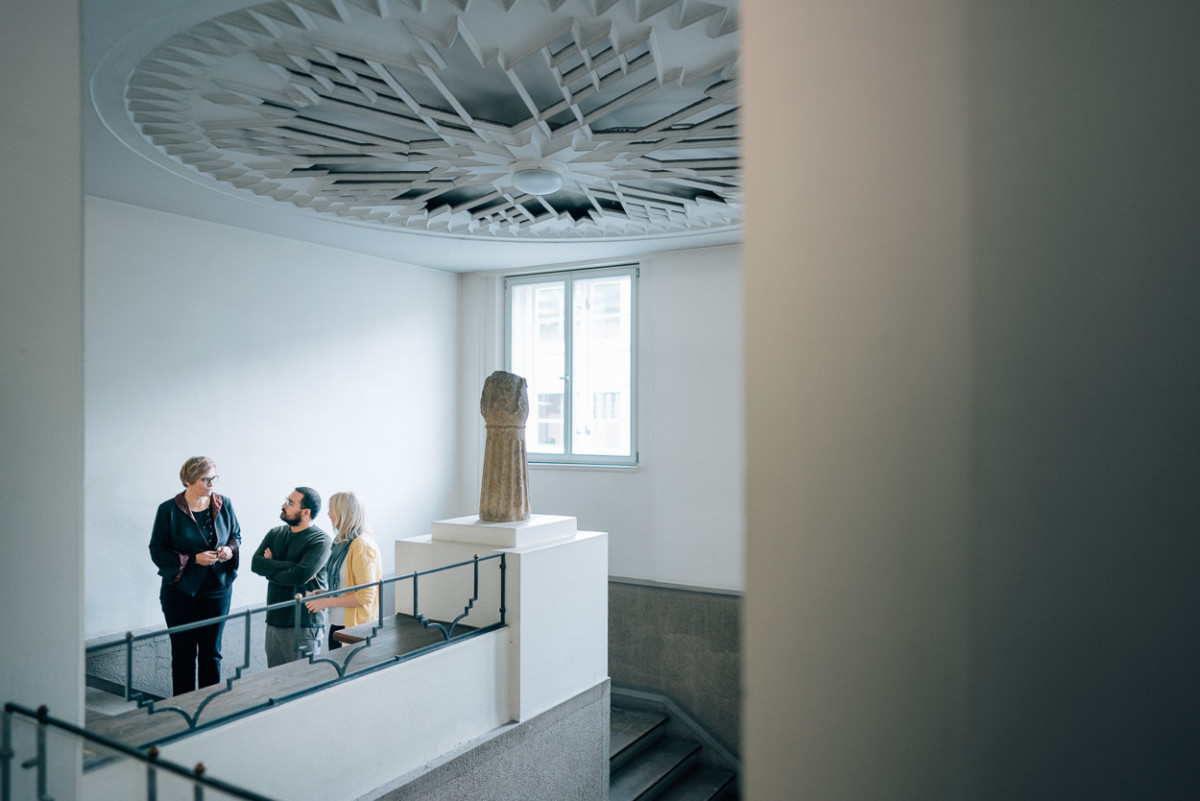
632,731
702,783
653,770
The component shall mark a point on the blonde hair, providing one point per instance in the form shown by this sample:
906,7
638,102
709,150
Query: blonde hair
348,515
195,468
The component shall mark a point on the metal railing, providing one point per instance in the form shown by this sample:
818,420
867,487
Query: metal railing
154,764
341,665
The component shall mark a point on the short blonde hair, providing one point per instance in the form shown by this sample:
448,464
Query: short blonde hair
195,468
348,515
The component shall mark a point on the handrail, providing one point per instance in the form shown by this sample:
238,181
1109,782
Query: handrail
193,719
151,758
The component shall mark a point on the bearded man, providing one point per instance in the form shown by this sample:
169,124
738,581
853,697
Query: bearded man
292,559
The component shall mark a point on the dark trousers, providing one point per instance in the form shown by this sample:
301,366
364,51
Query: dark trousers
195,648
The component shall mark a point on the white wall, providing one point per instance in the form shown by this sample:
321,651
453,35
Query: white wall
289,364
679,518
41,379
972,391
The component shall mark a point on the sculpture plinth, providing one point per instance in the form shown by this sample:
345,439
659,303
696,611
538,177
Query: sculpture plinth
537,530
504,494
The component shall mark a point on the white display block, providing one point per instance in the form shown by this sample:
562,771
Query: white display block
556,607
517,534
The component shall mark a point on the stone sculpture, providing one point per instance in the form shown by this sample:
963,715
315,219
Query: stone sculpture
504,496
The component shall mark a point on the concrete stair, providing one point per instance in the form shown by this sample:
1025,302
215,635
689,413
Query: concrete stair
646,762
101,702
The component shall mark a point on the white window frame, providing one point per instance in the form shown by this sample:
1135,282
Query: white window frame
568,457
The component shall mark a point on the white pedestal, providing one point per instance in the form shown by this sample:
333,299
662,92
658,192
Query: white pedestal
556,598
518,534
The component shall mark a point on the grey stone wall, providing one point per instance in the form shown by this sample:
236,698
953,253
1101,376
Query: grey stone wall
683,643
560,755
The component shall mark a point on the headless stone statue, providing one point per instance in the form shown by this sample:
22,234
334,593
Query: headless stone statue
504,496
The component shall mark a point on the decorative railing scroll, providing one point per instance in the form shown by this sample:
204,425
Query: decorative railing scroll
448,631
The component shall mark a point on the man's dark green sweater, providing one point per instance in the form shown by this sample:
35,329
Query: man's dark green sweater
296,566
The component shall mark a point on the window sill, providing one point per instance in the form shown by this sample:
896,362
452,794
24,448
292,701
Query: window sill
627,468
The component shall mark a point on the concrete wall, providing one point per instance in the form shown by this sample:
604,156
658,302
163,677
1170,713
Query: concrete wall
971,399
678,518
681,643
41,372
287,363
562,753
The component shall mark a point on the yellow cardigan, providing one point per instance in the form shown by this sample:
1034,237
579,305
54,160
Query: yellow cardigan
363,565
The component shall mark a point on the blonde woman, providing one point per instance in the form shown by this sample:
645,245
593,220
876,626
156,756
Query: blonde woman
354,560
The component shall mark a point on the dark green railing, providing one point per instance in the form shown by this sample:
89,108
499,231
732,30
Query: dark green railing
340,666
154,764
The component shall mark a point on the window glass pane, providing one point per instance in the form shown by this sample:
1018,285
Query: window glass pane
538,355
571,337
601,364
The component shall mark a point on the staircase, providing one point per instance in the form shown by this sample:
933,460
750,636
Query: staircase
646,761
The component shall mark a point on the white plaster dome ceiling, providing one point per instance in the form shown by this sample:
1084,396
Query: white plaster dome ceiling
616,118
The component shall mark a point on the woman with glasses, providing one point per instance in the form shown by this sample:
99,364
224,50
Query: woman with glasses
195,546
353,560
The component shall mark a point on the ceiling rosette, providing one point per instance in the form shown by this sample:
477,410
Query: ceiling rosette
416,115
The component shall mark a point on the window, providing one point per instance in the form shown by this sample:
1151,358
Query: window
571,337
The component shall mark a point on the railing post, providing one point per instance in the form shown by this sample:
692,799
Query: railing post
128,664
475,569
197,787
152,775
415,606
379,599
246,659
503,574
296,626
42,713
6,755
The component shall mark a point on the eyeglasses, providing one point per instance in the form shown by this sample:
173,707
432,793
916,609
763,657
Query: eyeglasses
209,480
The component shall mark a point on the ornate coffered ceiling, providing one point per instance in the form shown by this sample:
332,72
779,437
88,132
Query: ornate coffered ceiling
414,115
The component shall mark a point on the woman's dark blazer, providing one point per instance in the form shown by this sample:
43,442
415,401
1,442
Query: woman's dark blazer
177,537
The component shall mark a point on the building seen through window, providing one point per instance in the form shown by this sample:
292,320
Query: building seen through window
571,336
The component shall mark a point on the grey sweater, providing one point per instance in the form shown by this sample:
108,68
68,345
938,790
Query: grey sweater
296,566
